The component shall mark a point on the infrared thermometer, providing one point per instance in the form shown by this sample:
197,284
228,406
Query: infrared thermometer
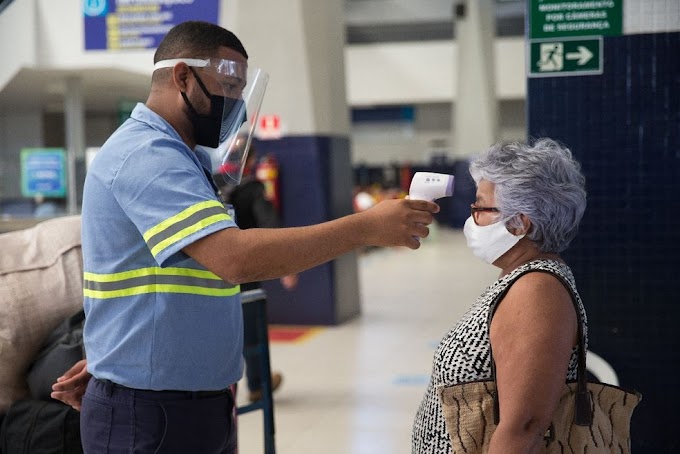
430,186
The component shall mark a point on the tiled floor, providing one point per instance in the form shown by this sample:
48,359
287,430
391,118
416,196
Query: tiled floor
355,388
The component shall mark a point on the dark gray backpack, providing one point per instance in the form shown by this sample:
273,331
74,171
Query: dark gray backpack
61,350
42,425
39,427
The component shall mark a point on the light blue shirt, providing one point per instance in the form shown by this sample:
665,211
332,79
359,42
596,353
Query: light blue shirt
155,318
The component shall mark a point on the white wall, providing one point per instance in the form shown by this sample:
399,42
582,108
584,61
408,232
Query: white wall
61,41
424,72
280,54
300,44
651,16
17,39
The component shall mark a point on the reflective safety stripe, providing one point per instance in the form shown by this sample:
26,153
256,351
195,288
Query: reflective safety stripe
156,280
180,226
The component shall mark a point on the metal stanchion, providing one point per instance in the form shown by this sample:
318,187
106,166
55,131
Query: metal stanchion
258,298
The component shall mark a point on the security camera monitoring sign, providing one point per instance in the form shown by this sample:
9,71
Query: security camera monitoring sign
565,37
139,24
558,18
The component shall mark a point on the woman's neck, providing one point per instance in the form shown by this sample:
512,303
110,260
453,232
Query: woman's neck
523,252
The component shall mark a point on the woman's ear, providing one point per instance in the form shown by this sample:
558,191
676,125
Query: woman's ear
524,229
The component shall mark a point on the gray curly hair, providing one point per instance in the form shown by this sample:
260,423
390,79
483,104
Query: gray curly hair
541,181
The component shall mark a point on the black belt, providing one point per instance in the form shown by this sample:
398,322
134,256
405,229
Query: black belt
167,394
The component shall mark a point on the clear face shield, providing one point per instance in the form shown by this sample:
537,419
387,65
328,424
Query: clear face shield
235,93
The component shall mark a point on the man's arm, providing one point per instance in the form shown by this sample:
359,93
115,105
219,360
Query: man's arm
250,255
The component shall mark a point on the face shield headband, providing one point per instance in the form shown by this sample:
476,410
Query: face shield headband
234,110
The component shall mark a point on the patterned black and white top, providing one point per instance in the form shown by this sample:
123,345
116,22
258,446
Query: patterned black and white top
463,356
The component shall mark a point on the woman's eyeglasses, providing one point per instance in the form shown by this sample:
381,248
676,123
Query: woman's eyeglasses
475,212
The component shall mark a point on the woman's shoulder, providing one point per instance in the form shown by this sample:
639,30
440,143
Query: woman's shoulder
539,285
539,298
538,277
545,280
538,267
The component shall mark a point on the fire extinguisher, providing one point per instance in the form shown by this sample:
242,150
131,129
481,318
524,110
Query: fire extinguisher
405,177
267,172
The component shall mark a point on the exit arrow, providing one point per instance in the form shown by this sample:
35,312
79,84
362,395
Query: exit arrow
583,55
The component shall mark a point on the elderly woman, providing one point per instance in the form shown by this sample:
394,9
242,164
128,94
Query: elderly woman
530,199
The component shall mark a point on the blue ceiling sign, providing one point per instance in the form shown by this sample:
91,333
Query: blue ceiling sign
139,24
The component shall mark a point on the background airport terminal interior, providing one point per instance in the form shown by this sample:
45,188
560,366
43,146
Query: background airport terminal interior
362,94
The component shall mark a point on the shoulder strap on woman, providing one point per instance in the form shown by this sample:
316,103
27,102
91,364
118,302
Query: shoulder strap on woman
583,416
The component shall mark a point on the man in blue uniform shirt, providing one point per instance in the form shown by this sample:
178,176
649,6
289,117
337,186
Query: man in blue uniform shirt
163,260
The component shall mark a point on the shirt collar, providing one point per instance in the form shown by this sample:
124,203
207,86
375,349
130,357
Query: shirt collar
148,116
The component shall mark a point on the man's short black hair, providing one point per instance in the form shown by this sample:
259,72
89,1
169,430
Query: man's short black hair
196,39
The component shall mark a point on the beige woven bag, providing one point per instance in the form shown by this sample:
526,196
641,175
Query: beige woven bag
590,418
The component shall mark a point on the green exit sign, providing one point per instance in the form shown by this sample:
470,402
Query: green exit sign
565,57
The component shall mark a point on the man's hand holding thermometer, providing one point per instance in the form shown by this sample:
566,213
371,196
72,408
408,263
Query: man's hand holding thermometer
430,186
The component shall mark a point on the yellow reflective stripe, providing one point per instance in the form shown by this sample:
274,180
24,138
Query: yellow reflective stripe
180,217
156,270
156,280
188,231
160,288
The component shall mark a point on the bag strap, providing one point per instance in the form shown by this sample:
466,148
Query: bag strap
583,415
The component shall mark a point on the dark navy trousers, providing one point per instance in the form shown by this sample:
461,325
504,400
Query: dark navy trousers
118,420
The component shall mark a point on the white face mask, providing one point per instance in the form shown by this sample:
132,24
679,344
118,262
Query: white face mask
490,241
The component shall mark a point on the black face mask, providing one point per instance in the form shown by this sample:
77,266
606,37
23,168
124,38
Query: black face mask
210,130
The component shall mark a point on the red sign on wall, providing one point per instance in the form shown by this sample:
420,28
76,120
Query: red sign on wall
269,127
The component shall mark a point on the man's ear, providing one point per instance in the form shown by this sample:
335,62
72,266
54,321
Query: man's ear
180,76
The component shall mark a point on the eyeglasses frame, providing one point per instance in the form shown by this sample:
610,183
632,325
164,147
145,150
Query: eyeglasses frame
475,209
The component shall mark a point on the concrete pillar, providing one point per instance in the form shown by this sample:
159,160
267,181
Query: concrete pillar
475,109
74,116
300,43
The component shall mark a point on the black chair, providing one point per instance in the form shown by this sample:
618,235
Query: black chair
258,299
